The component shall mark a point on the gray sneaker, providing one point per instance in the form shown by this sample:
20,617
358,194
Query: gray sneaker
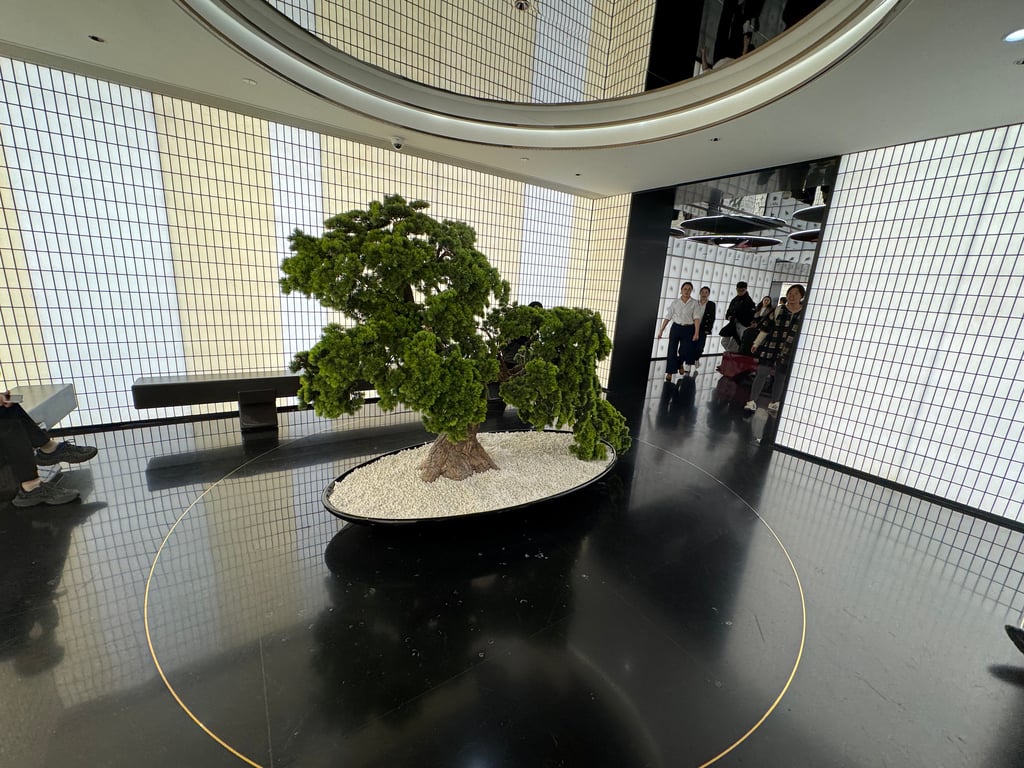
46,493
69,452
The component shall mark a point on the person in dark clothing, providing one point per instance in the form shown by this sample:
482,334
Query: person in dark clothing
706,323
24,446
774,347
741,311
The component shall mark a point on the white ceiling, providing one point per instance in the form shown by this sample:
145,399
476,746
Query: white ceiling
937,67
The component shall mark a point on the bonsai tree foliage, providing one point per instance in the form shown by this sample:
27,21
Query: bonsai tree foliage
548,369
430,312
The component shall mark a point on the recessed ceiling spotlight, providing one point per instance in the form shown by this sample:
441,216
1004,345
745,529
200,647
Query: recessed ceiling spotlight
714,138
524,159
521,5
248,81
1016,36
97,39
579,174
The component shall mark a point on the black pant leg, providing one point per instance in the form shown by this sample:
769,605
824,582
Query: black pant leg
16,414
17,451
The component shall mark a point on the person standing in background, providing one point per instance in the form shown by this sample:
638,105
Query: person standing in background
685,314
706,323
741,311
774,346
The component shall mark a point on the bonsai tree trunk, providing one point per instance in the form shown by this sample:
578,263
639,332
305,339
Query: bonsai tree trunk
456,461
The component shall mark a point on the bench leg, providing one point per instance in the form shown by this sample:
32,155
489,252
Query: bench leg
257,410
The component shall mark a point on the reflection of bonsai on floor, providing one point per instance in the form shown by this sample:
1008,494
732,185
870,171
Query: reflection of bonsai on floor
432,317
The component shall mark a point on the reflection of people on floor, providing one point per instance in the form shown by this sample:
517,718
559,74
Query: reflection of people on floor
774,348
25,446
1016,636
685,314
32,556
676,403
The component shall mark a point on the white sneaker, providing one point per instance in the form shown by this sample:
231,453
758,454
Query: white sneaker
773,407
750,406
696,364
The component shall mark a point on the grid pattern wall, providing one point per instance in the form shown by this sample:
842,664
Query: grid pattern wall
143,235
555,51
921,277
984,558
601,235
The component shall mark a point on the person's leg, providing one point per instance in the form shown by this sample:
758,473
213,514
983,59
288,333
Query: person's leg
17,450
687,350
700,350
755,389
778,386
37,438
18,453
738,330
674,339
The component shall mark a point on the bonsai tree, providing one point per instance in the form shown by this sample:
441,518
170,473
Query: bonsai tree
430,313
548,370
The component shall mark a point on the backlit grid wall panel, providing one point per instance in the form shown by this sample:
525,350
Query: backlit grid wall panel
144,235
603,274
15,284
629,48
217,177
95,261
298,204
556,51
909,367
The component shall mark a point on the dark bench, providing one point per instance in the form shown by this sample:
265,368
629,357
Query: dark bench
256,393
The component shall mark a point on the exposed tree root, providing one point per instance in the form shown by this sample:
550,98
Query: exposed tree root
456,461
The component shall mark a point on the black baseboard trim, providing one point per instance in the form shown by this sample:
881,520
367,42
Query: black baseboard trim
905,489
122,425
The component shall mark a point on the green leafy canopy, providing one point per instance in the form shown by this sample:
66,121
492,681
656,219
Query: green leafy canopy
432,318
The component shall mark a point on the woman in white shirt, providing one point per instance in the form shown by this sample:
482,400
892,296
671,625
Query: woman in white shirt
685,314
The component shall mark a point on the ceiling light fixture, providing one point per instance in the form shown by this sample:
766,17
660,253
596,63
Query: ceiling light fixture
1017,36
248,81
97,39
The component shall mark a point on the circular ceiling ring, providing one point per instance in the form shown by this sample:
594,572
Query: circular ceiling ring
783,64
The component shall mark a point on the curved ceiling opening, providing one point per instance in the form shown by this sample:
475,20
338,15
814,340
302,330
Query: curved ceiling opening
502,83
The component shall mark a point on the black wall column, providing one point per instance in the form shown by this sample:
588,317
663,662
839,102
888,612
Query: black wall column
643,269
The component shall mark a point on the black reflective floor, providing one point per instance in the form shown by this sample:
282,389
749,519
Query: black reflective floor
710,602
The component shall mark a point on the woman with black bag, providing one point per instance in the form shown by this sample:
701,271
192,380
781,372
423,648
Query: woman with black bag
706,323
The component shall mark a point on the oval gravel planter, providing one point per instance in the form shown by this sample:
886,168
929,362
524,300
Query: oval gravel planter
349,515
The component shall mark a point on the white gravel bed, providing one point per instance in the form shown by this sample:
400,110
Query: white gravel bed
532,466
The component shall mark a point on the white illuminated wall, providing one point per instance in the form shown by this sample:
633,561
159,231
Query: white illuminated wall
909,367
